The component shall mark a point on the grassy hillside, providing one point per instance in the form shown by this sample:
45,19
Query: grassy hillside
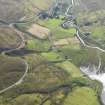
74,97
90,5
50,83
53,76
92,21
11,70
8,38
13,10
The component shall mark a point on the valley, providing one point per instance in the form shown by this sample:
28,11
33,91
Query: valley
46,50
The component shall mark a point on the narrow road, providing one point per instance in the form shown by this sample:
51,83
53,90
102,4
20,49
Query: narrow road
19,81
22,44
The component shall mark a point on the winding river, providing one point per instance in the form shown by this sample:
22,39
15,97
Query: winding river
94,76
86,70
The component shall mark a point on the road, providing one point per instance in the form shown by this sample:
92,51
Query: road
22,44
19,81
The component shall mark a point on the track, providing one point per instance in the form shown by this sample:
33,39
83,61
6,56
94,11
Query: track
22,44
19,81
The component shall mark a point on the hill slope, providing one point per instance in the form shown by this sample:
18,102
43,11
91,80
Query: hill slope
13,10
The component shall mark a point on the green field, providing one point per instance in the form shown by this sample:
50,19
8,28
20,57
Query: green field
98,32
52,56
55,26
82,96
54,76
72,69
38,45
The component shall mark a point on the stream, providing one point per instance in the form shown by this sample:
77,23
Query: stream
86,70
93,76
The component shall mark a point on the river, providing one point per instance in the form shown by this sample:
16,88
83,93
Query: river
94,76
90,73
